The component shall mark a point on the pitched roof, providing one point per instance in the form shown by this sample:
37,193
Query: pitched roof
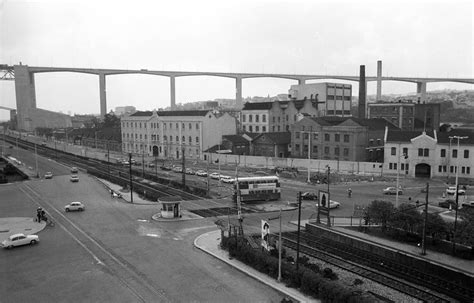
257,105
277,137
375,123
235,138
328,121
147,113
183,112
404,135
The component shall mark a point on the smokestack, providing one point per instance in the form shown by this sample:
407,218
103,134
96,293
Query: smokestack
362,92
379,80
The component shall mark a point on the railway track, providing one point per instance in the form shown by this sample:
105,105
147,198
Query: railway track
418,284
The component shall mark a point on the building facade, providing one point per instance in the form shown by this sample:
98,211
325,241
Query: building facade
166,134
335,138
430,154
407,115
332,99
272,144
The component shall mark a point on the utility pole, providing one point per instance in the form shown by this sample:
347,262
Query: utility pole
455,220
183,168
143,164
131,179
36,162
425,219
108,158
298,197
398,174
279,247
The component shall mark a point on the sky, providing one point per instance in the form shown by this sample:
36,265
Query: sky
413,38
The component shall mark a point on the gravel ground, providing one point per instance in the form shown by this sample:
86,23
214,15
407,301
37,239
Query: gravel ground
368,285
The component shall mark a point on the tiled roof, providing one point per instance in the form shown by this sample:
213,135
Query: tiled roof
235,138
183,113
444,137
142,114
278,137
328,121
405,136
257,105
375,123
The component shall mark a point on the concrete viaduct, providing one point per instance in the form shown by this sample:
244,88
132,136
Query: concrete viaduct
23,75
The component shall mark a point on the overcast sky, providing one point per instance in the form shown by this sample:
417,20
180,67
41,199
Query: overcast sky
412,38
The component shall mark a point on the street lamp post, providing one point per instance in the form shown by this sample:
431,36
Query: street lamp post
36,162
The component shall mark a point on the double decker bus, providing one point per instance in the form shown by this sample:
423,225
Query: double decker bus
258,188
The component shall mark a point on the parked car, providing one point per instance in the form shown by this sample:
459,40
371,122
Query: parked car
151,165
452,190
74,170
74,206
309,196
201,173
392,191
468,204
227,179
74,178
332,204
178,169
48,175
215,176
166,167
189,171
20,239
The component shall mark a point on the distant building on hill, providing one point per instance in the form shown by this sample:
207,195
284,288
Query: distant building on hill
122,110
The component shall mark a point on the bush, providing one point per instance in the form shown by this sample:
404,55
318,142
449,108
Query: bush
329,274
358,282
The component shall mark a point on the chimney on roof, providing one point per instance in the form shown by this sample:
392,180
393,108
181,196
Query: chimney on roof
362,92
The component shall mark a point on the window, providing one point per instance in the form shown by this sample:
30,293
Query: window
315,149
420,152
257,118
315,136
378,142
394,165
390,166
326,150
297,135
243,118
468,170
171,125
190,138
426,152
177,139
279,119
443,153
286,118
297,147
273,119
243,127
264,129
197,139
171,139
197,125
182,126
278,127
257,129
455,153
264,118
337,137
466,153
250,128
326,137
463,170
305,136
346,152
183,139
371,142
250,118
336,151
405,151
140,125
346,138
393,151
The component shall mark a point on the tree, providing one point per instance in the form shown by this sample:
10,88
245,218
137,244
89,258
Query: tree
465,227
406,217
435,226
379,212
111,120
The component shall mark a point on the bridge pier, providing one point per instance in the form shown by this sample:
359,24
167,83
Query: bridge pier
173,92
301,81
379,81
102,95
238,92
421,91
25,95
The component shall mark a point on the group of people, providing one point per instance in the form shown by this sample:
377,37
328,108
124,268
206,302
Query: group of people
41,214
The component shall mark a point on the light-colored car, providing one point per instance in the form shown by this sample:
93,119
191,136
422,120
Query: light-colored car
201,173
392,191
74,170
227,179
452,190
74,178
48,175
215,176
74,206
189,171
178,169
332,204
20,239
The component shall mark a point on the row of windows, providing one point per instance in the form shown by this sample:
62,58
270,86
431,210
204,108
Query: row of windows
453,169
327,137
257,118
165,138
337,150
139,148
331,97
156,125
454,153
425,152
403,166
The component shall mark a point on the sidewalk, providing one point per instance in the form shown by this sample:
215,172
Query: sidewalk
209,243
15,225
125,195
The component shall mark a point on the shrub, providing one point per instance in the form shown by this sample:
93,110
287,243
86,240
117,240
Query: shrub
329,274
358,282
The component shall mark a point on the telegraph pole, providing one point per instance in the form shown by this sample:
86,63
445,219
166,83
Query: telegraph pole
298,197
455,220
183,167
130,172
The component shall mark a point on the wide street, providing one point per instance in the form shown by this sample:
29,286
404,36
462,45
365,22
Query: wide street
111,252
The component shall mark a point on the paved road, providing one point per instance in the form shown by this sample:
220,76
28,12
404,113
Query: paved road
112,252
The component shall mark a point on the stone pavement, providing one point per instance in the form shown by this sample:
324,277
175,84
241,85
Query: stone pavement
209,243
15,225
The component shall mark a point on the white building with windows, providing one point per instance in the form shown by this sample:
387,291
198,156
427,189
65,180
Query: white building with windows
429,154
167,134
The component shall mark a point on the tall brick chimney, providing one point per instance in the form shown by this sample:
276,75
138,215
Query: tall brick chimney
362,92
